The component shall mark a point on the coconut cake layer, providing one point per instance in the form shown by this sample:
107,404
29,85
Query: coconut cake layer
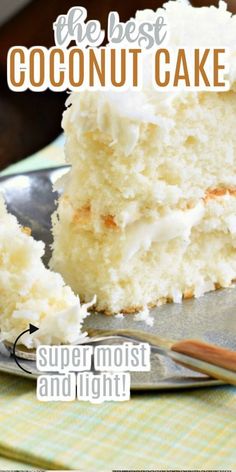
138,221
187,254
165,169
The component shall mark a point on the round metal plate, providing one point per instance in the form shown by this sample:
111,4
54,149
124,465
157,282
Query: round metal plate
29,196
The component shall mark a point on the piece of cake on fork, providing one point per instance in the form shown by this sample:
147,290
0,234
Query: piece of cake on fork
30,293
148,209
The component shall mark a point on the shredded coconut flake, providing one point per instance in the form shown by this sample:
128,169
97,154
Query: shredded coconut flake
119,315
144,315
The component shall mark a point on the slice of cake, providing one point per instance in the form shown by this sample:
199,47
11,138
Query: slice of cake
30,293
148,210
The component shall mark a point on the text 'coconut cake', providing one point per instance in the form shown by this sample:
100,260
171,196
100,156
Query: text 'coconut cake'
148,210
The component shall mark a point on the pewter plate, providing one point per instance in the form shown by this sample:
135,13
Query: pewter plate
29,196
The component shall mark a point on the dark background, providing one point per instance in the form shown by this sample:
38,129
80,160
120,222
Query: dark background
30,120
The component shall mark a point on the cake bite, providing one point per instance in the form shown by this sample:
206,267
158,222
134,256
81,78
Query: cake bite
148,209
30,293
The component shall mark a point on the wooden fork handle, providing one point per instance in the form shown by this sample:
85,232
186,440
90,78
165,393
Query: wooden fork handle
210,353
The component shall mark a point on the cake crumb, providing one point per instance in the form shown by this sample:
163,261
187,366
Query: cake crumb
119,315
144,315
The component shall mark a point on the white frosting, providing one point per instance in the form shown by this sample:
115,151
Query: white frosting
141,234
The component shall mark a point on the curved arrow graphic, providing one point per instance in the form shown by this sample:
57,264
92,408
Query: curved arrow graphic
30,330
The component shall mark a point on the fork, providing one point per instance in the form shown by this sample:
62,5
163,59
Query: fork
209,359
